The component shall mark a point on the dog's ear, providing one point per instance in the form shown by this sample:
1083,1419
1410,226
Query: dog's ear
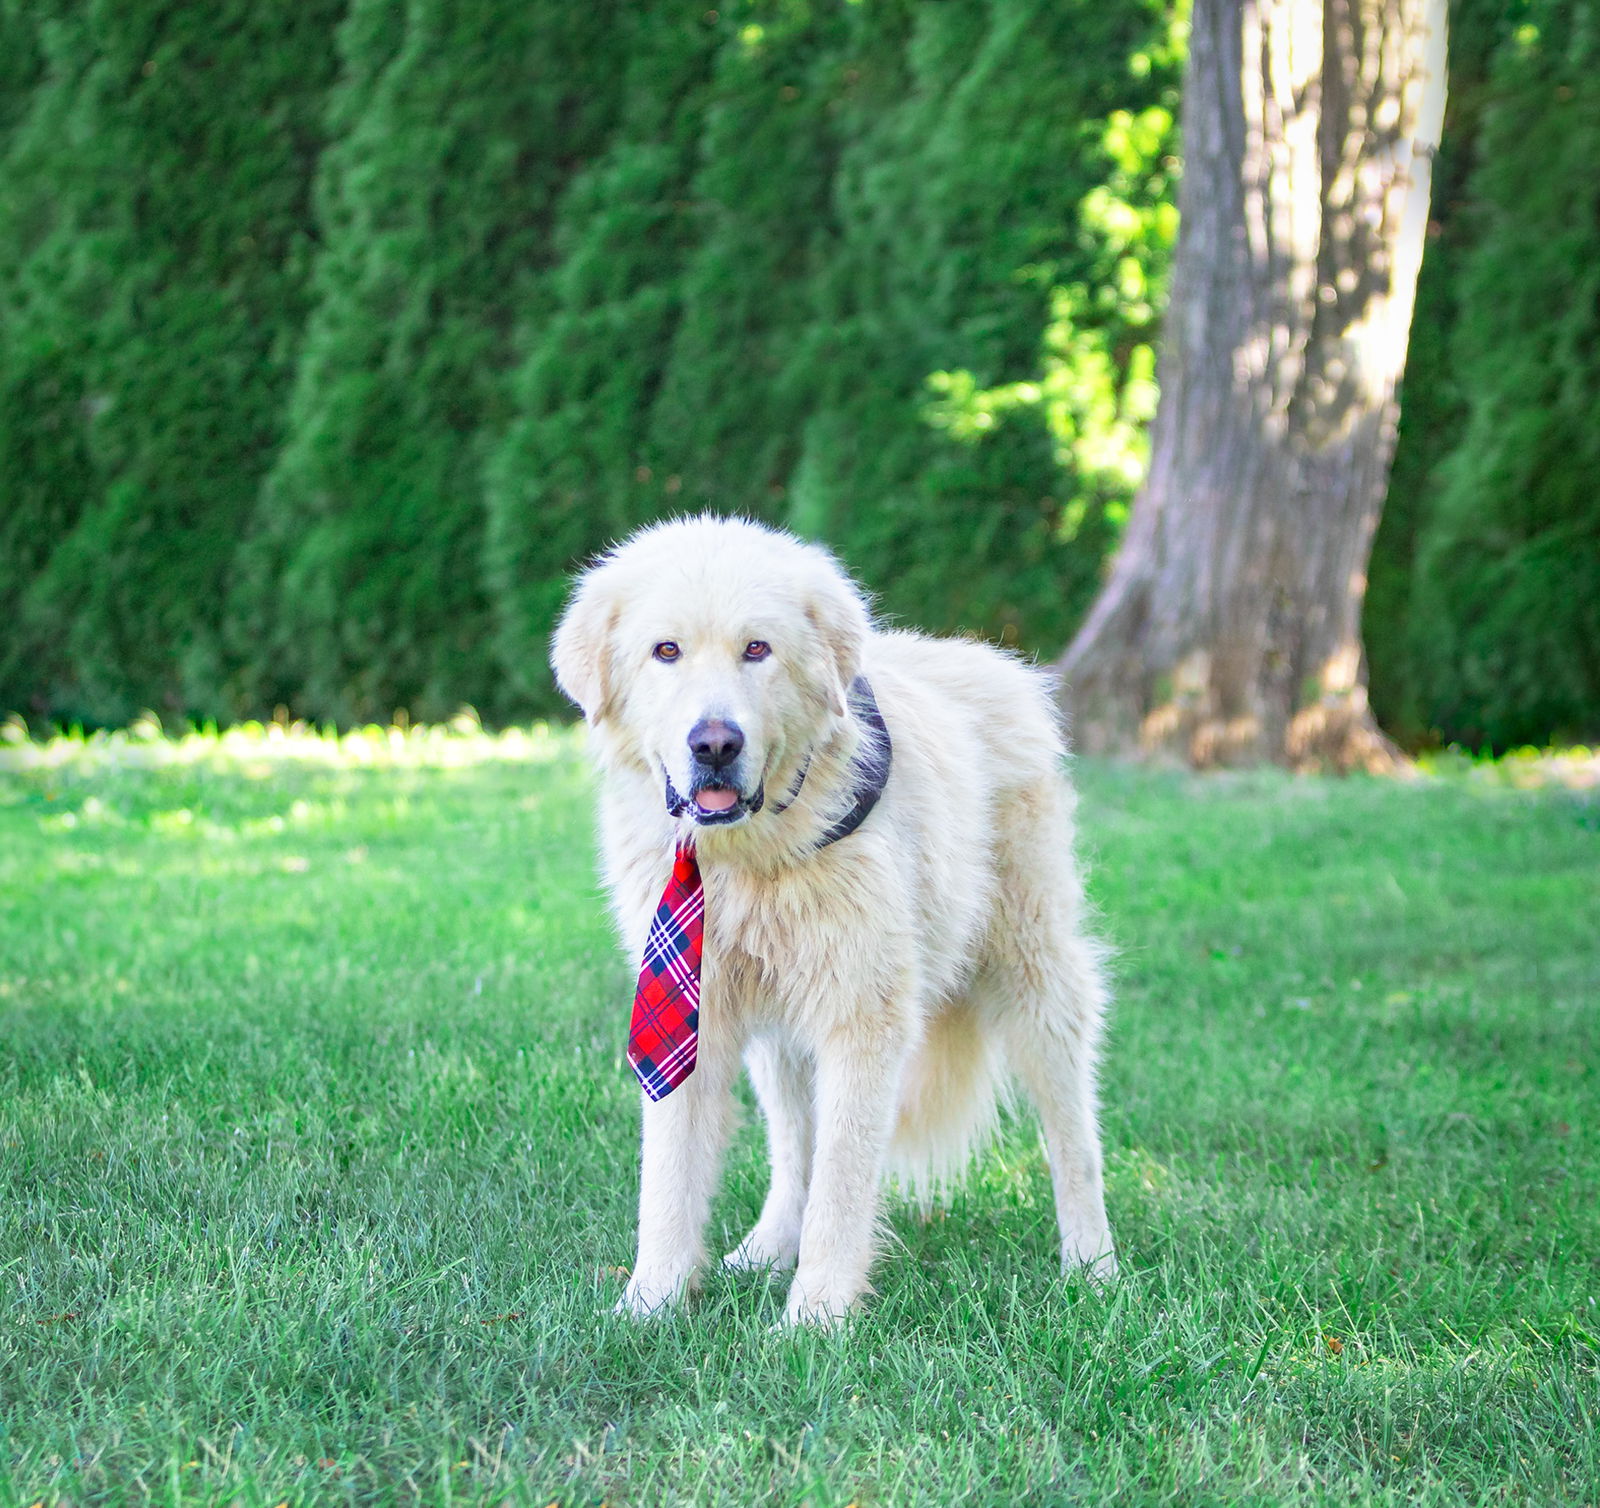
839,617
580,652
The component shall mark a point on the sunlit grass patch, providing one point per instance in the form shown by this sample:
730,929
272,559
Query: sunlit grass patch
254,749
317,1157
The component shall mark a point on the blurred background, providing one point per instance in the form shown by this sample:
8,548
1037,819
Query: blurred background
336,333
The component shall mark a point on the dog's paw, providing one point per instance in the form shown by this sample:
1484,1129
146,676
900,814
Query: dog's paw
1098,1268
815,1316
644,1299
819,1306
762,1252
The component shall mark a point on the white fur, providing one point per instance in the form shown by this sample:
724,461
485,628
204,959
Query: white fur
876,989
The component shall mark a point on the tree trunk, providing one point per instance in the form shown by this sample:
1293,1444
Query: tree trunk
1229,629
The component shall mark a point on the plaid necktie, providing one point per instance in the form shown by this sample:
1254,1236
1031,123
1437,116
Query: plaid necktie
665,1031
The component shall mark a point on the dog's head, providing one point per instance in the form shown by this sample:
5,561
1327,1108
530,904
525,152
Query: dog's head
713,653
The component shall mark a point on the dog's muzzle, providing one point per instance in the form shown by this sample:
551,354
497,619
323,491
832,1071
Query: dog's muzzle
715,798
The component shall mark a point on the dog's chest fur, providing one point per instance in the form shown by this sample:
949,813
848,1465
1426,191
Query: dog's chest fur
797,945
819,942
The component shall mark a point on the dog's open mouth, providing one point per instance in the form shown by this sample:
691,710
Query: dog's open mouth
714,805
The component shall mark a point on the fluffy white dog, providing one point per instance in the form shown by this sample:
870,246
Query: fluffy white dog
893,915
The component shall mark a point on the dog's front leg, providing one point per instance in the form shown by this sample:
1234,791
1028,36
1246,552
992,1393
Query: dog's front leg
857,1100
684,1136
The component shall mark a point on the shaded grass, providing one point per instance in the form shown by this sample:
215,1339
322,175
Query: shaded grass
317,1161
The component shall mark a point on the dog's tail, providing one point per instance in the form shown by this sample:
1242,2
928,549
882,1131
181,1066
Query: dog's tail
951,1098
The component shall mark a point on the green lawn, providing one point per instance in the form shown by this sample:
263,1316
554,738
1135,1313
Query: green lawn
317,1160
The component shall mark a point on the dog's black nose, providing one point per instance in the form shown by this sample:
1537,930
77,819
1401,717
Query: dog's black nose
714,743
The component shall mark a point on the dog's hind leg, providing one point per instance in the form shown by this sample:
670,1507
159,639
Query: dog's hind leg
1043,993
1053,1059
783,1080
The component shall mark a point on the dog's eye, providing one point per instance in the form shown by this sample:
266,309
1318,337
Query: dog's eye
666,651
757,649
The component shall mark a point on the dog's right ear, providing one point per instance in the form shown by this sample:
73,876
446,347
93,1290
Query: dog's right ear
839,618
580,652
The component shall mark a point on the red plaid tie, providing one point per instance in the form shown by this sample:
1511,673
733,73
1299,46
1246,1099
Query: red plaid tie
665,1032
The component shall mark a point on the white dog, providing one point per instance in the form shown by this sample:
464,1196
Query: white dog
893,916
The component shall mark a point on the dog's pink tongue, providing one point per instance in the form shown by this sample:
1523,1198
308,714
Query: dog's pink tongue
716,801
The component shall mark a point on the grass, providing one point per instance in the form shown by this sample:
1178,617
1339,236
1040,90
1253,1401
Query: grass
317,1160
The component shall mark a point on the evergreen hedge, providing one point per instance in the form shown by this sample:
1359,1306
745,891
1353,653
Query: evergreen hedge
971,317
574,468
151,227
1483,617
336,335
880,193
1505,627
361,585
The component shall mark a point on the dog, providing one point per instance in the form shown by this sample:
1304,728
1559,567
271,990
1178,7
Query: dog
894,923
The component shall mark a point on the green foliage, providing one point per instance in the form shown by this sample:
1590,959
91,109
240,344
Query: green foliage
46,474
151,222
335,336
938,454
362,583
725,425
1481,621
1508,595
319,1188
1432,408
21,57
562,272
876,192
575,469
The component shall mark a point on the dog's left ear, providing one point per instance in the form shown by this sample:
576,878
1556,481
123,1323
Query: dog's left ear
839,617
580,652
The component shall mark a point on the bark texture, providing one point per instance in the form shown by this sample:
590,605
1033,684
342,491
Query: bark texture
1229,629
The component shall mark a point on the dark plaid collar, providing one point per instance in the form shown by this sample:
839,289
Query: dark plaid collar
870,767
